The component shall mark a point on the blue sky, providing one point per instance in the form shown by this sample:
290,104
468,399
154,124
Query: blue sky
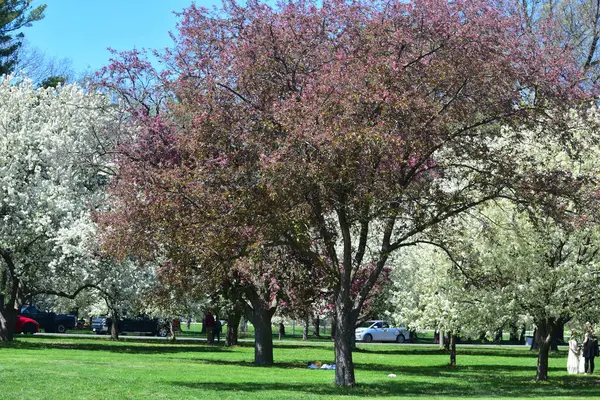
82,30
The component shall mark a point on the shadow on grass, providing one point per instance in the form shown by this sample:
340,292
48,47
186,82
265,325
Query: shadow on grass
439,370
121,347
495,352
506,386
464,371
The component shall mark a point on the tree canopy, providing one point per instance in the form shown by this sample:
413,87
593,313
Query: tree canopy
14,15
341,131
55,147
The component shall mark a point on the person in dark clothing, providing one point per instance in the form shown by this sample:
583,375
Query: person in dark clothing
281,331
217,329
209,324
590,351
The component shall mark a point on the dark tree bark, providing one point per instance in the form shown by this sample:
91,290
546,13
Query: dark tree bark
412,336
316,323
498,338
545,329
513,333
332,331
558,333
114,327
263,336
233,291
8,320
260,316
3,284
345,322
8,311
452,341
233,322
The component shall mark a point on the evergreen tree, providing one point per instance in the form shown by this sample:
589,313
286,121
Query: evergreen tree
14,15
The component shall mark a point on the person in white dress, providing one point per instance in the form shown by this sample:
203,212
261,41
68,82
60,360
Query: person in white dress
574,360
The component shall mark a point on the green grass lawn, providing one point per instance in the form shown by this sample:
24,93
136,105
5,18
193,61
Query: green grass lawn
52,368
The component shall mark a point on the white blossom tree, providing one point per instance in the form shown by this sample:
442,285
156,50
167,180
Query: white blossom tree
502,263
124,287
430,292
55,159
519,258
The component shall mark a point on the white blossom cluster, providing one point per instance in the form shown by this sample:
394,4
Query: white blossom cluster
506,264
55,157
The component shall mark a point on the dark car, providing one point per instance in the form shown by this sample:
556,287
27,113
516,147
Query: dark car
140,324
49,321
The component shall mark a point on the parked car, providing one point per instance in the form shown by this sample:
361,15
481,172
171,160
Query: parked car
49,321
26,325
140,324
380,331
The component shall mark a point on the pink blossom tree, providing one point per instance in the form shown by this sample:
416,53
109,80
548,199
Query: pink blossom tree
340,131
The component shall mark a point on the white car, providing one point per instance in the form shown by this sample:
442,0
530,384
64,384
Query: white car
380,331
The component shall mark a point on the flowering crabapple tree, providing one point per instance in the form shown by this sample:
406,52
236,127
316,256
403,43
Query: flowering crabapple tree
429,293
54,161
125,287
578,20
253,277
518,261
339,130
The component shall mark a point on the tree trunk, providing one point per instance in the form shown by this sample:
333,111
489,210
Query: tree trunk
514,334
172,335
305,330
535,340
452,350
545,329
316,323
332,332
8,311
263,336
8,320
114,327
233,323
3,282
345,324
498,338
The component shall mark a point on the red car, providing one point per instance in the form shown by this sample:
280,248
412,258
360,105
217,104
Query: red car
26,325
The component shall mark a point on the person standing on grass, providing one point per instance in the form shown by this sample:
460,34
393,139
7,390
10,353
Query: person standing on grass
573,358
590,351
209,324
217,329
281,331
